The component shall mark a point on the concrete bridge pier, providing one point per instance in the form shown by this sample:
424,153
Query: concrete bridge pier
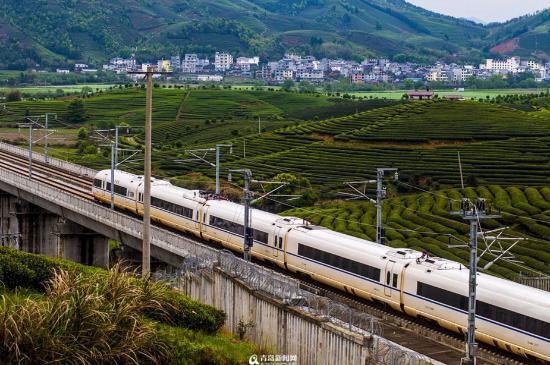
79,244
9,228
43,232
36,227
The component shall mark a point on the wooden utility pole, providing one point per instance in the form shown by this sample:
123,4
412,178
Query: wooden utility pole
146,247
146,250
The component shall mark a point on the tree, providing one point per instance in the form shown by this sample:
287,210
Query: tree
76,112
86,90
82,133
288,85
296,185
306,87
13,95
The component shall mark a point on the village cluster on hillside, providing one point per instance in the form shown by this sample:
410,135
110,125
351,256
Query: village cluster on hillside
307,68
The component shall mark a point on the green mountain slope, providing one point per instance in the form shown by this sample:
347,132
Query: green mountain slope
53,32
526,36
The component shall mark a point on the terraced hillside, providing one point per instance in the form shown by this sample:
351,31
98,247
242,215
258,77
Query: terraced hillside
423,222
193,116
498,145
505,156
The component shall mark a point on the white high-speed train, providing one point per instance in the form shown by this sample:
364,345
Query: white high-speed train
510,316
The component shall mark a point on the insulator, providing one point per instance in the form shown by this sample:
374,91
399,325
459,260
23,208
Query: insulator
480,205
465,204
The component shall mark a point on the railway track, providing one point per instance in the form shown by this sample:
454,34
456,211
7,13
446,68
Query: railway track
416,334
48,175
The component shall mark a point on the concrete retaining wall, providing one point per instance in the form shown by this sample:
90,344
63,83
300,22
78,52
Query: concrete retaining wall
283,329
276,326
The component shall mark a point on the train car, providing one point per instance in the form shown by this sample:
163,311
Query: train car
513,317
510,316
126,189
222,222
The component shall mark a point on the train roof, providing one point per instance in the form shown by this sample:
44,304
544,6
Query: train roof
343,243
230,210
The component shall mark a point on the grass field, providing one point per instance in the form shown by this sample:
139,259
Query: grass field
53,89
468,94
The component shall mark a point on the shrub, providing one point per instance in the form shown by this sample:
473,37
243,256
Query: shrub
184,312
21,269
25,270
13,95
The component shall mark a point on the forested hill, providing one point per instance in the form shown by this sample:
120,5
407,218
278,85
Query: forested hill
54,32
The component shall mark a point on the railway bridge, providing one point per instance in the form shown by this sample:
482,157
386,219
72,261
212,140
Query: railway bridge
53,213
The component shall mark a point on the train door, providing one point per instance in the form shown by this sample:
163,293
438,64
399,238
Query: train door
277,244
201,218
196,218
390,278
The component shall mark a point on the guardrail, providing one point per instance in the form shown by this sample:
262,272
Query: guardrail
55,162
539,282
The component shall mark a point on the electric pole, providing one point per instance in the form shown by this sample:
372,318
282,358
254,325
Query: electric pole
46,158
198,157
146,246
114,154
46,140
28,125
36,123
146,251
248,231
218,147
380,195
474,214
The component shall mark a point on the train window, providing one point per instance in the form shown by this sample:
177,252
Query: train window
388,278
121,190
97,183
486,310
516,320
338,261
171,207
394,284
281,242
226,225
441,295
275,241
260,236
108,186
